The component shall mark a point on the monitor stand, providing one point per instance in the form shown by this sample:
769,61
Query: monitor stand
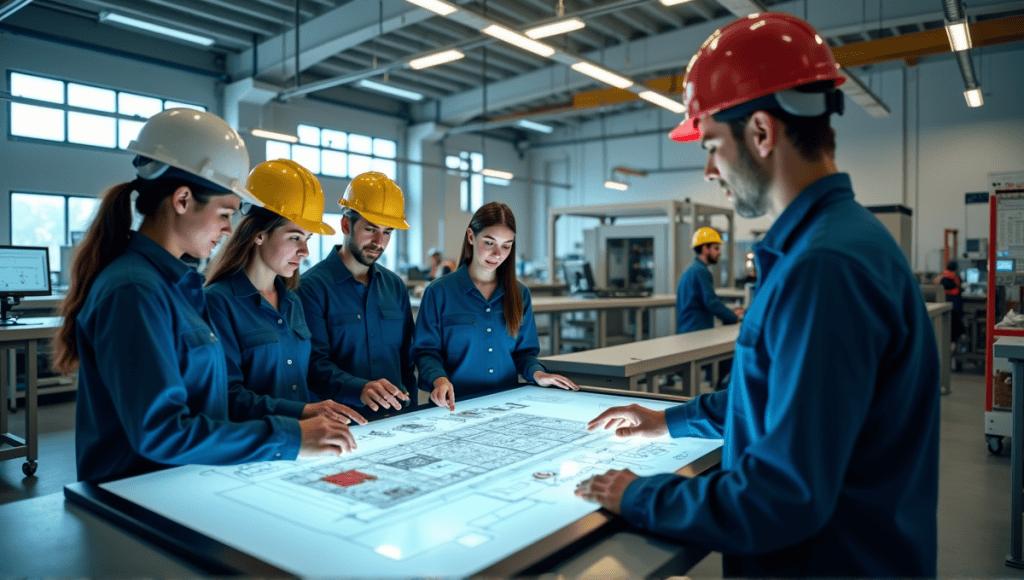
5,309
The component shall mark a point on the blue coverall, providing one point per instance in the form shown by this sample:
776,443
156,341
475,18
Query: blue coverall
461,336
831,421
267,348
152,381
697,305
360,333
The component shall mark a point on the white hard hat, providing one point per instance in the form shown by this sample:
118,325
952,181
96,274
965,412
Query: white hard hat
197,142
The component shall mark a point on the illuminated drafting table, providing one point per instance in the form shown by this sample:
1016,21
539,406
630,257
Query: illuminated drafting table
625,365
485,490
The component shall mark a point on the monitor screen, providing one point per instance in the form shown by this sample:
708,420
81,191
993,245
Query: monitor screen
24,271
578,276
1004,265
972,276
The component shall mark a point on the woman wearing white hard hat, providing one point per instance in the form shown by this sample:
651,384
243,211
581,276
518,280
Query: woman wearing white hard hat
152,381
258,317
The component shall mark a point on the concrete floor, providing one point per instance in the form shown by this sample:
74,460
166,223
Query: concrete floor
974,492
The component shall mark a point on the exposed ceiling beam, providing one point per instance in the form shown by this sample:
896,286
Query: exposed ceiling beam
288,6
332,32
252,10
200,11
8,7
917,44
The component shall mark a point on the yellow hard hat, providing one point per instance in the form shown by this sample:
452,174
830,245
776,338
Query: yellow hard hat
291,191
705,236
376,198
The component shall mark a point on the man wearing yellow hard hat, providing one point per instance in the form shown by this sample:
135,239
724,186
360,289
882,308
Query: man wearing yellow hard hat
358,311
697,305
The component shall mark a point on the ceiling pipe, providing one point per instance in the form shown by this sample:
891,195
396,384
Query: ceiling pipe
8,7
954,12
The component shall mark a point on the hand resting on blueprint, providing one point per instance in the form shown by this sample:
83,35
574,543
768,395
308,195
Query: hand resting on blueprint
631,421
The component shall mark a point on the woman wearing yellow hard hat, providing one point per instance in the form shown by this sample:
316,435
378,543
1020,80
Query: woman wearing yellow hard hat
152,384
249,296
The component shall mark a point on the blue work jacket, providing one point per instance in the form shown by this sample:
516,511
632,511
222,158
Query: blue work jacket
697,305
463,337
355,339
152,380
831,420
267,348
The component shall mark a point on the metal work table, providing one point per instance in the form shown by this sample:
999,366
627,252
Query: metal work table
555,306
625,366
1012,348
25,336
941,314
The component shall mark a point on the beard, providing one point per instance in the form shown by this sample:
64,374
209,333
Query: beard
360,254
715,260
748,184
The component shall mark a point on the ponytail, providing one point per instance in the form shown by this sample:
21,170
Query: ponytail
106,239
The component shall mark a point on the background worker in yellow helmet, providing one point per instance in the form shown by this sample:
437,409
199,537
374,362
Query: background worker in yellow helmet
250,298
830,424
697,305
358,311
439,265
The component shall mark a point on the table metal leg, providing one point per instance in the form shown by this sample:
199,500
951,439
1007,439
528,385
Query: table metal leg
4,380
12,379
602,328
1016,466
556,332
31,407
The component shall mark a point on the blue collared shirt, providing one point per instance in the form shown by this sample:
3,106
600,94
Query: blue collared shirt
267,348
355,339
831,420
152,381
462,336
697,305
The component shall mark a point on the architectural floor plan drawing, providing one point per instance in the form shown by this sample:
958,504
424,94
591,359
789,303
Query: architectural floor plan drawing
432,493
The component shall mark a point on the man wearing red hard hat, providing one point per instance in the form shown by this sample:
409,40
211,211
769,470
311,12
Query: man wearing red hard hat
830,422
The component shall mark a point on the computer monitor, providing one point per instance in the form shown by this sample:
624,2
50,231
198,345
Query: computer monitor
972,276
1004,265
578,276
24,271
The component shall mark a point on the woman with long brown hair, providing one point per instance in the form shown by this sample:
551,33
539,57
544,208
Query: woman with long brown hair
152,384
257,316
475,331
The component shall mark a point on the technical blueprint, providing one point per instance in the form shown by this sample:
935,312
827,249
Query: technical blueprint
431,493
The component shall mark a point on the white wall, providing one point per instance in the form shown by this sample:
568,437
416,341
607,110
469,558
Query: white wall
40,167
950,150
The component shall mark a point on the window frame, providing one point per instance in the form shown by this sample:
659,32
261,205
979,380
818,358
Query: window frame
67,216
346,150
65,108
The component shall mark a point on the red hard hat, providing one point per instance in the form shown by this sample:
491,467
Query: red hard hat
754,56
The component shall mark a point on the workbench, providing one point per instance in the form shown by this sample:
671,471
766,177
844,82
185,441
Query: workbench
1012,348
26,336
639,365
941,314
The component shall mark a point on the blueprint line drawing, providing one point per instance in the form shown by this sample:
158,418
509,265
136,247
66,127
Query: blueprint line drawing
431,493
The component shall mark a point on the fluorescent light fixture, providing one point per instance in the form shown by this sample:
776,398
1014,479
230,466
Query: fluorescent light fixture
612,184
602,75
497,173
662,101
275,136
442,8
533,126
560,27
155,28
394,91
973,97
435,59
516,39
959,35
673,2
